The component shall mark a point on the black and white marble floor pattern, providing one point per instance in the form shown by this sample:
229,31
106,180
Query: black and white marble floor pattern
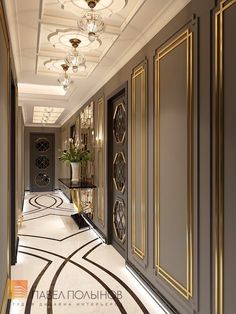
70,270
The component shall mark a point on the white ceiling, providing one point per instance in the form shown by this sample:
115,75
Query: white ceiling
32,21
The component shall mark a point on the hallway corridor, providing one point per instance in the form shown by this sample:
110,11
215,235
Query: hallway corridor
77,269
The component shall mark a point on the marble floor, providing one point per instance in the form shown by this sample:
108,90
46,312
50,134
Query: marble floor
62,269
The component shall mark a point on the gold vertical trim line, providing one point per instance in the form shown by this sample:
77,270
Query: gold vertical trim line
133,174
144,161
219,151
100,134
216,176
221,173
187,36
139,72
190,165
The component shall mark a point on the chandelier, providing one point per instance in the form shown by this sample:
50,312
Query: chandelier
91,22
75,59
65,80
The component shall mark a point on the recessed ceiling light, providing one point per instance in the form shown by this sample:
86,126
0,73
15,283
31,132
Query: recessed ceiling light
46,115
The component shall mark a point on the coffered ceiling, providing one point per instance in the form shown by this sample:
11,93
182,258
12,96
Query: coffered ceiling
40,32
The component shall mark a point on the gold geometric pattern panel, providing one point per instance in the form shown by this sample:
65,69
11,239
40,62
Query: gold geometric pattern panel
119,121
119,167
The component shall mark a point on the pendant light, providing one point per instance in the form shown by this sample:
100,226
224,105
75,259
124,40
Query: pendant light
75,59
91,22
65,80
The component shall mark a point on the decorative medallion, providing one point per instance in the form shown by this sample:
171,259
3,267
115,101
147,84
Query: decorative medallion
42,144
119,123
42,162
60,39
119,221
106,7
42,179
119,165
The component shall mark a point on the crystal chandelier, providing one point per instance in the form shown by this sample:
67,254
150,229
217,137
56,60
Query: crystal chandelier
75,59
65,80
91,22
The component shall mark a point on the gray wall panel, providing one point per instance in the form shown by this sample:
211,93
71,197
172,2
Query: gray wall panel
173,163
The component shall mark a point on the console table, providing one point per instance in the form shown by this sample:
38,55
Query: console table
75,189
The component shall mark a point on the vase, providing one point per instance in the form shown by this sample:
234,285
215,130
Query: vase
75,171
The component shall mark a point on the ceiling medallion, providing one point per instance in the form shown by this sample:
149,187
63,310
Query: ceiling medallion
107,7
65,80
60,39
75,60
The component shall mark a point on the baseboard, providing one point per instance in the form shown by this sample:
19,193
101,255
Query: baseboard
92,224
154,290
5,300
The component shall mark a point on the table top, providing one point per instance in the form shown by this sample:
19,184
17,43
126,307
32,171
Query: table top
77,185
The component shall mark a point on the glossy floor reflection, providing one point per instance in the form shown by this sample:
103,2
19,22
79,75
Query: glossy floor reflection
67,270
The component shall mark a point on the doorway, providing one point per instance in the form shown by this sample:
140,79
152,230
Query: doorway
42,162
117,169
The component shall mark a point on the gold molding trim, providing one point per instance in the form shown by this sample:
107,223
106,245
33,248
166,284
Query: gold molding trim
100,156
139,72
187,292
123,137
219,153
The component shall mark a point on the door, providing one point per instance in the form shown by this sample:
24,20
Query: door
117,172
42,162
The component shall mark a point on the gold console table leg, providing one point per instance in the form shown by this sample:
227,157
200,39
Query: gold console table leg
75,194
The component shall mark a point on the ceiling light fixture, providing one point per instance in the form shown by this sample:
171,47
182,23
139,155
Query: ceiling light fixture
91,22
46,115
65,80
75,59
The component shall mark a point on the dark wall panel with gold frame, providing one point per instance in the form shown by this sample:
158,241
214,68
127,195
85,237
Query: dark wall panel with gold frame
174,163
139,163
225,158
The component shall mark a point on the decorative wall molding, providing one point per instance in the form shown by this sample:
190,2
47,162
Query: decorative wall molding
139,117
101,161
185,37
